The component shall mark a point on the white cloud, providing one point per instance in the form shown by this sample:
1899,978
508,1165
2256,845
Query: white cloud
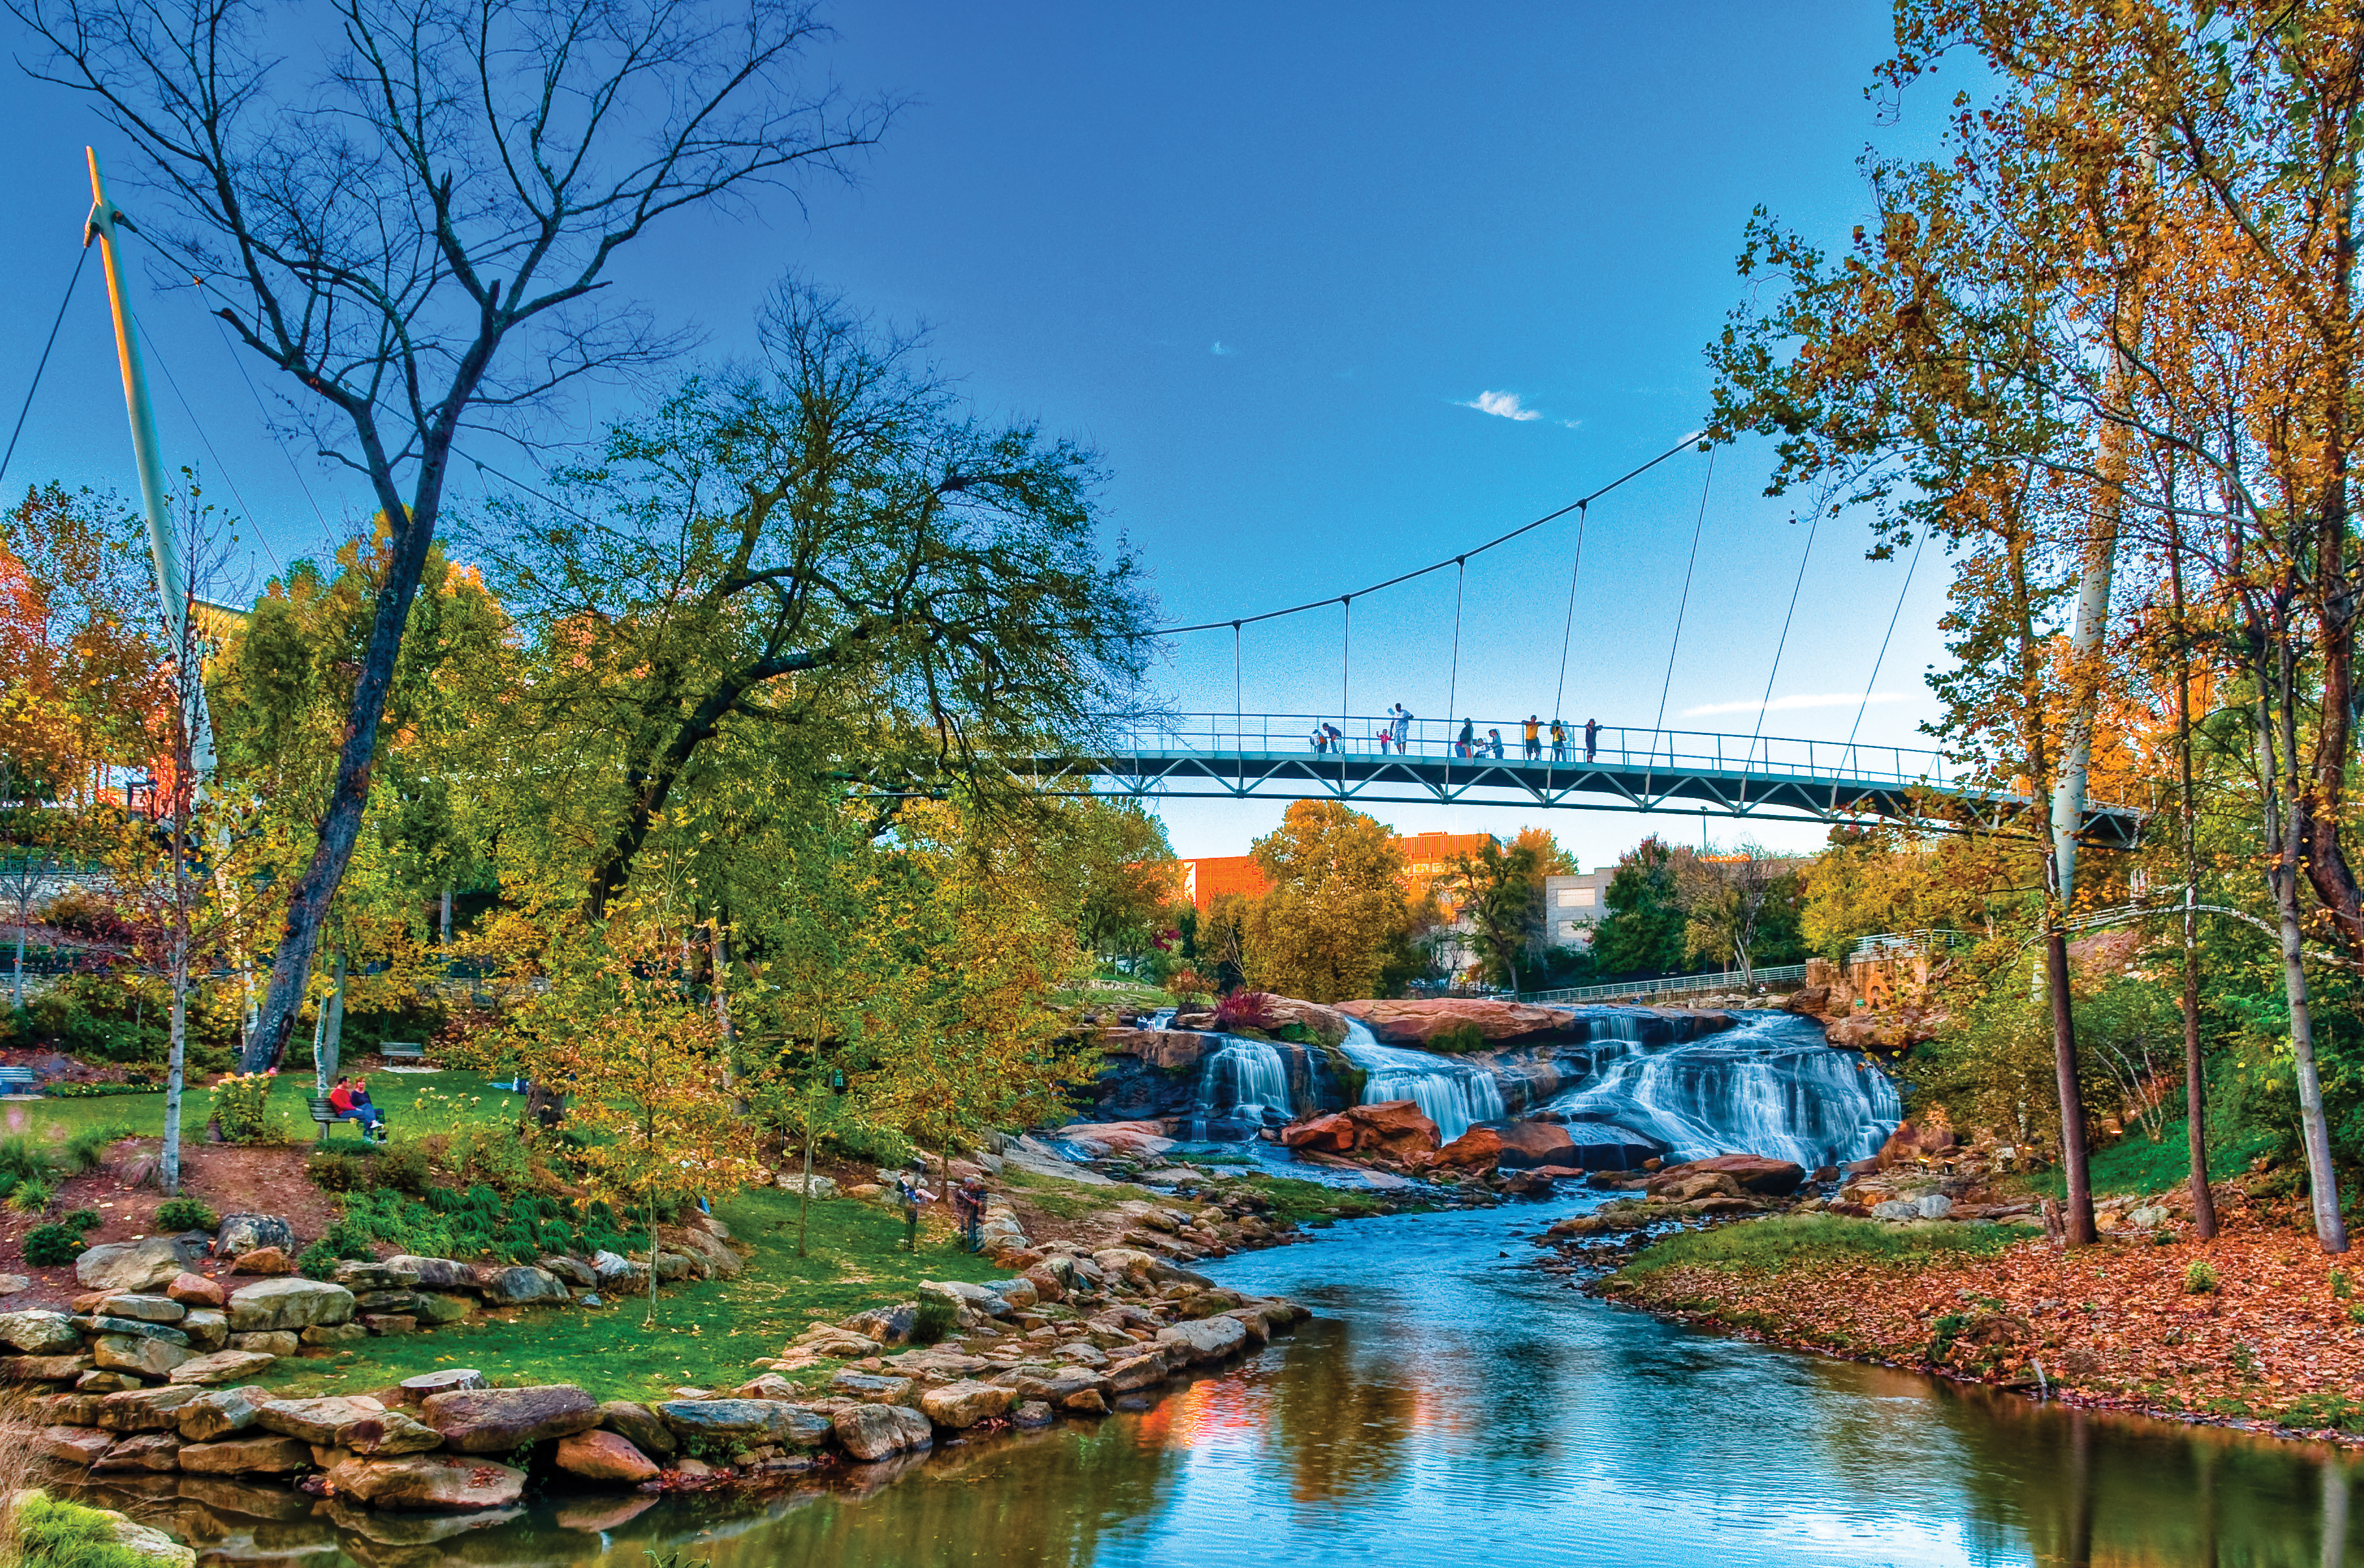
1502,404
1790,704
1222,351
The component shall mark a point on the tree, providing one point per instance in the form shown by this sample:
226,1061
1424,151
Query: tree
1223,940
829,555
1733,901
421,237
1642,935
1500,893
1336,907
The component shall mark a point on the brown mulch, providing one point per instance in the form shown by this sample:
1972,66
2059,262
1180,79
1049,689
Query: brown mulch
231,1180
2112,1325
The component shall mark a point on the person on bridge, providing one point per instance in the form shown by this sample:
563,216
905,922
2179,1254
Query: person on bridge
1321,738
1591,736
1534,744
1493,742
1469,741
1559,741
1336,737
1403,725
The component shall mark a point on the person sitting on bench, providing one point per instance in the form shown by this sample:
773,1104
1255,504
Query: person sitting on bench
350,1102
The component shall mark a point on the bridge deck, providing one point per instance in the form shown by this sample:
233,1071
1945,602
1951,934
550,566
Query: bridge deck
1738,776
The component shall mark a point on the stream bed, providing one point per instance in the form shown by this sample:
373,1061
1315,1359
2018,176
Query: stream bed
1453,1405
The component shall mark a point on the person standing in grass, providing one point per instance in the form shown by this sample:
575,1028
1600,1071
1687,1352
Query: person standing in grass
968,1205
912,1196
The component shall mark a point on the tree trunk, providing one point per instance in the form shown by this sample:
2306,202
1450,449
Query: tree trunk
2074,1164
804,1199
328,1030
445,937
2195,1071
168,1162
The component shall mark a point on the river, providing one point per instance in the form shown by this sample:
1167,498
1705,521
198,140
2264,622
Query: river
1453,1406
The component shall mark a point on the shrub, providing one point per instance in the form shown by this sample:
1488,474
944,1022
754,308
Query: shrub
239,1105
186,1213
1247,1010
95,1091
345,1242
1460,1040
407,1167
937,1318
31,1197
22,1158
866,1143
336,1171
2199,1277
87,1149
54,1246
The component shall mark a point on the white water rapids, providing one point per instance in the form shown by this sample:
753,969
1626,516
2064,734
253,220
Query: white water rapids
1449,1092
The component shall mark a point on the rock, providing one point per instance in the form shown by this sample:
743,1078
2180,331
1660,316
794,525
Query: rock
221,1366
2150,1216
217,1413
384,1323
45,1369
1935,1206
960,1405
1323,1135
75,1445
141,1354
604,1456
1479,1149
206,1327
452,1380
288,1304
131,1265
639,1424
435,1273
1101,1139
11,1284
717,1259
613,1271
1395,1127
267,1261
147,1543
1137,1373
1075,1389
1019,1293
428,1483
391,1432
333,1334
358,1277
195,1290
1210,1339
143,1308
873,1390
1030,1413
368,1301
820,1187
771,1385
144,1409
270,1341
1751,1173
1172,1050
240,1234
131,1328
145,1450
271,1455
38,1333
71,1409
496,1420
96,1382
1416,1023
1896,1209
1680,1185
1528,1144
874,1431
887,1325
574,1271
757,1420
440,1310
523,1285
315,1421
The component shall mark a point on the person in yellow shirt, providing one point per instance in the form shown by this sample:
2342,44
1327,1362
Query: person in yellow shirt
1534,739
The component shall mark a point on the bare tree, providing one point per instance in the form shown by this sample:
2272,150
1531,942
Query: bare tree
1725,897
420,235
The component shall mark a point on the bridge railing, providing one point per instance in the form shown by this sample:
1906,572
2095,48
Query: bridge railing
1503,742
1672,984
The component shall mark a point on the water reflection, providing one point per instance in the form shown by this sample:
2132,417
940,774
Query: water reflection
1456,1408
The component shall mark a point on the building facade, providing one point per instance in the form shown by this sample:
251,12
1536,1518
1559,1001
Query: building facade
1574,904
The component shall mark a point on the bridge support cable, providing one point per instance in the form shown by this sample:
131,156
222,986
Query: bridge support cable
1756,730
1568,632
1682,607
1881,657
43,362
1452,682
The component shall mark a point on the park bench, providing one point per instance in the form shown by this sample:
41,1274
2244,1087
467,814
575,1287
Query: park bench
19,1080
401,1049
325,1115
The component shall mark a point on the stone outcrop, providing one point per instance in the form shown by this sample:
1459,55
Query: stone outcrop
433,1482
143,1265
288,1303
496,1420
1418,1022
240,1234
604,1456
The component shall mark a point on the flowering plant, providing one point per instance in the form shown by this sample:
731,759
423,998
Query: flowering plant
239,1105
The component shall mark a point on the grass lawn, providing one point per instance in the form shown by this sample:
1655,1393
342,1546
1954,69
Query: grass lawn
1781,1240
706,1335
414,1103
2135,1164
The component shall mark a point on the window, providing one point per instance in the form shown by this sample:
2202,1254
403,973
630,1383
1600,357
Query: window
1576,897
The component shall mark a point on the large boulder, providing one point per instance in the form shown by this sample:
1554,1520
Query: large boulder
218,1413
142,1308
221,1366
1207,1340
138,1354
1102,1139
390,1432
83,1446
195,1290
1323,1135
321,1421
240,1234
959,1405
1753,1172
496,1420
1395,1127
878,1431
603,1456
38,1333
428,1483
271,1455
1527,1144
525,1285
638,1424
436,1273
144,1409
145,1450
753,1421
132,1266
1171,1051
1479,1149
1417,1022
288,1303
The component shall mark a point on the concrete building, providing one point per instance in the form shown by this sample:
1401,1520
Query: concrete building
1574,904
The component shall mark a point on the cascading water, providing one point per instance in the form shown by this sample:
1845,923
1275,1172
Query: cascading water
1771,1087
1449,1093
1241,1081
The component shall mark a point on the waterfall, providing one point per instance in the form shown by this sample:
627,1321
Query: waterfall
1771,1087
1449,1092
1242,1081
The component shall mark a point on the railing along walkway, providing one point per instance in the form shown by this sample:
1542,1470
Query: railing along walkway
1672,984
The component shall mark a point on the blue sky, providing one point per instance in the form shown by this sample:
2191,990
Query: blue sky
1276,264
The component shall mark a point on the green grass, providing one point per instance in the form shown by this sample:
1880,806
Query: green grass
2135,1164
1304,1202
1066,1200
706,1335
1784,1240
55,1533
451,1099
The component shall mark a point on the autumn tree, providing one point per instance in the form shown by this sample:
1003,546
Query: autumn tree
1500,894
1336,907
1733,901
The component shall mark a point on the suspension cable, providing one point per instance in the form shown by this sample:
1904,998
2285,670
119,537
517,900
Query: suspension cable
43,364
1912,566
1450,560
1774,673
1683,607
1238,704
1583,513
1452,682
1346,655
